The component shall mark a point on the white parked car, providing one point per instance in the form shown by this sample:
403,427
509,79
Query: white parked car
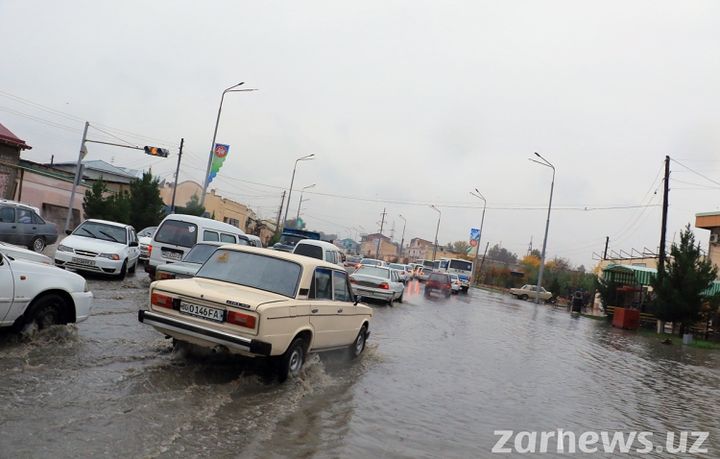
455,283
35,293
20,253
145,241
379,283
262,303
100,246
402,271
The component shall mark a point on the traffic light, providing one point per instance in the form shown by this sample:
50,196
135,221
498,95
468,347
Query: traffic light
156,151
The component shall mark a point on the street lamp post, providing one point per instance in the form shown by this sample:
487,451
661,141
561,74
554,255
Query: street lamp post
301,200
479,195
402,238
436,230
545,163
212,146
292,181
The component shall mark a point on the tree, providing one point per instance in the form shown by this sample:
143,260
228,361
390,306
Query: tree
192,207
680,285
501,254
118,207
461,247
94,204
146,205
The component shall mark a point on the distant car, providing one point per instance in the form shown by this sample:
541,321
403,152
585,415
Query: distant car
379,283
402,271
438,283
191,262
455,283
262,303
100,246
319,249
352,261
371,262
145,242
35,294
20,253
22,225
528,291
422,273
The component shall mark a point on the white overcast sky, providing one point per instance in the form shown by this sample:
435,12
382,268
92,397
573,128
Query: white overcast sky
404,101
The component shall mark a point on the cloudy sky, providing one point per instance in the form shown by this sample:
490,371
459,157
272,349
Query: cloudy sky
404,103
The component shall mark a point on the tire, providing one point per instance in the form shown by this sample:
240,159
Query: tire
427,292
291,362
44,312
447,294
37,244
390,302
358,346
400,299
523,297
123,271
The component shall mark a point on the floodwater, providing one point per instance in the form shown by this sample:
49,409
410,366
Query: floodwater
437,379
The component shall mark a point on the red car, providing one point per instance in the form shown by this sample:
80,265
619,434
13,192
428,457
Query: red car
438,282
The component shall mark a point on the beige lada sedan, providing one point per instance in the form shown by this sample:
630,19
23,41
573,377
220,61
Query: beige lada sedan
262,303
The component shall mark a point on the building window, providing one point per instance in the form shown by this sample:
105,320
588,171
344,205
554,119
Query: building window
232,221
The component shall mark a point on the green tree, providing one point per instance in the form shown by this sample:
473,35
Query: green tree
461,247
192,207
679,287
607,288
94,205
146,205
502,254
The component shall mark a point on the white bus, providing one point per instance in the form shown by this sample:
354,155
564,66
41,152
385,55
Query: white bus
462,268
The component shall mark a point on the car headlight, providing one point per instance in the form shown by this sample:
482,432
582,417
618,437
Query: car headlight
111,256
64,248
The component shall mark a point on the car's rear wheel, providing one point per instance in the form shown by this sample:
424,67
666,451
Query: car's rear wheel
358,346
37,244
523,297
390,302
400,299
291,362
44,312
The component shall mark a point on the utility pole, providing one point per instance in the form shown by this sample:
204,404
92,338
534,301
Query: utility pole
607,241
663,229
479,272
177,174
280,211
402,238
382,224
529,252
78,175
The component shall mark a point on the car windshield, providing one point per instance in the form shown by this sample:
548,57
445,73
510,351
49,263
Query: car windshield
147,232
287,239
309,251
102,231
397,266
262,272
370,262
374,271
462,265
200,253
177,232
438,277
454,277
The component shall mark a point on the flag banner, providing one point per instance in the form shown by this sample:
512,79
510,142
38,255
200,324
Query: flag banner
220,152
474,241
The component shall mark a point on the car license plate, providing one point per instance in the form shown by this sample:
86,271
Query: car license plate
204,312
172,255
83,261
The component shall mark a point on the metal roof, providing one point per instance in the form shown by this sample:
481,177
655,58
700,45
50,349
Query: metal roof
8,138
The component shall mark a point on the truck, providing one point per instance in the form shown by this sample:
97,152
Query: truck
290,237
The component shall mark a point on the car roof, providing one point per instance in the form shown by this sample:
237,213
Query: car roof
20,204
108,222
209,222
316,243
307,262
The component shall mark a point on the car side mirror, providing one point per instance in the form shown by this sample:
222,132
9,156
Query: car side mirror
358,299
68,232
134,244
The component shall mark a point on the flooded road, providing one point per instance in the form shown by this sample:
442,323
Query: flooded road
438,377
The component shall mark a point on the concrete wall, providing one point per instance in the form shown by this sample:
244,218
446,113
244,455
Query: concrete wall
51,195
8,174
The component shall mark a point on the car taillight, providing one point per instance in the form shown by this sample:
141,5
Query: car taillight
447,286
149,249
384,286
160,300
162,276
353,281
238,318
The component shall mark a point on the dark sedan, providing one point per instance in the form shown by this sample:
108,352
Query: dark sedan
21,225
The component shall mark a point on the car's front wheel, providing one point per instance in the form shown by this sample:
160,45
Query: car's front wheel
37,244
358,346
292,360
123,271
44,312
523,297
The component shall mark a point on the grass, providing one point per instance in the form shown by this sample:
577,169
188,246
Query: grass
676,340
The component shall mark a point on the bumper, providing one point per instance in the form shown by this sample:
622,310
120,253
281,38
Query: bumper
164,323
83,305
96,264
373,293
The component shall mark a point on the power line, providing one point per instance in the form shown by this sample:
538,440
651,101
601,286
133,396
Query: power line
695,172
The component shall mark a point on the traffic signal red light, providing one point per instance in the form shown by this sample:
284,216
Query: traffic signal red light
156,151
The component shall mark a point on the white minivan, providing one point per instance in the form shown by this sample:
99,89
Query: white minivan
319,249
178,233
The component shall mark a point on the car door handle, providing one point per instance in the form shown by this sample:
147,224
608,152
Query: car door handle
339,310
314,310
13,227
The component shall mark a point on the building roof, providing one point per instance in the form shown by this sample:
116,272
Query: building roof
8,138
101,166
